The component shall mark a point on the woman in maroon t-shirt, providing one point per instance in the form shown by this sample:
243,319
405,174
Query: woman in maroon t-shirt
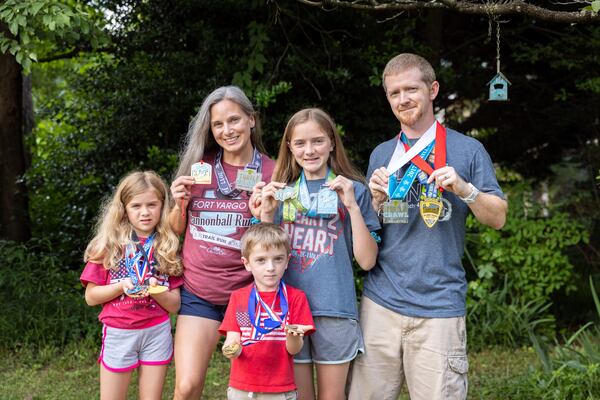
221,160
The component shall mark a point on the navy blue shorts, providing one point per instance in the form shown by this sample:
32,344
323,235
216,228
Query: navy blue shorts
198,307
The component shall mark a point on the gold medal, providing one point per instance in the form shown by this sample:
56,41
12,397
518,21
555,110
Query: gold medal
431,209
232,349
157,289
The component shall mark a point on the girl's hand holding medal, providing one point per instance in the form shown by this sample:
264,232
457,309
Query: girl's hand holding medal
345,190
255,201
155,288
269,198
133,291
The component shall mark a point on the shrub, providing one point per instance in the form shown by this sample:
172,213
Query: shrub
41,302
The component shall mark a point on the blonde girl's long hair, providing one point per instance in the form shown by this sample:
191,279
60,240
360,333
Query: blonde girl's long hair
199,139
288,170
113,230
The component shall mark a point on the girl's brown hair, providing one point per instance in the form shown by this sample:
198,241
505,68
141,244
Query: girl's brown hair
288,170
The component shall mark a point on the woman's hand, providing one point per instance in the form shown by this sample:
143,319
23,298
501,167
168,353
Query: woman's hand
181,191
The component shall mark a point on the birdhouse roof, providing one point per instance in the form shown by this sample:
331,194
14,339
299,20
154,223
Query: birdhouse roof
499,75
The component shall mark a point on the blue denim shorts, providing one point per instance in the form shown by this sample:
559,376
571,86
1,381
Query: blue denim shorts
198,307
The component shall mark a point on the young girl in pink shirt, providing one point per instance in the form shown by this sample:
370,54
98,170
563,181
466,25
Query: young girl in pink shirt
131,269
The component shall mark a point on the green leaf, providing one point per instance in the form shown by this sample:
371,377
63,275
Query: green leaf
26,64
14,27
596,6
36,7
33,56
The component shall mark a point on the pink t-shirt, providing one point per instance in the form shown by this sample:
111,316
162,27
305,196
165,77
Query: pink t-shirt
123,311
265,366
211,249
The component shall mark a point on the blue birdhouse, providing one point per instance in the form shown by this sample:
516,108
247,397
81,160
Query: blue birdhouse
498,88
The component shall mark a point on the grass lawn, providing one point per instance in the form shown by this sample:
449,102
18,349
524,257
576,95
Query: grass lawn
72,373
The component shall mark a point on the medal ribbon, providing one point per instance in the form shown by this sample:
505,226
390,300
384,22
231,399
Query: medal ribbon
256,303
398,190
133,258
224,184
301,200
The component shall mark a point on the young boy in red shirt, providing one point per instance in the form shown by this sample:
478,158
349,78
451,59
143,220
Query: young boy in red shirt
265,322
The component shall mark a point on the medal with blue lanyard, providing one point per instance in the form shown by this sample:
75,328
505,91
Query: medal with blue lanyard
324,205
430,203
138,262
272,321
222,181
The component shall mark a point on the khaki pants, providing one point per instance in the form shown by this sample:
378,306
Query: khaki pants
235,394
429,353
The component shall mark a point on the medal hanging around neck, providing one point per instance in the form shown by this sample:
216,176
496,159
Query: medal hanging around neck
430,205
498,85
256,306
245,181
136,268
297,198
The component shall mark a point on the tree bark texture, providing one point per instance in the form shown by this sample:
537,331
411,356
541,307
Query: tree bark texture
14,219
559,12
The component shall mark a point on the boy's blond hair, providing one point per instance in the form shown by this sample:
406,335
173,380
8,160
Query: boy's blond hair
266,235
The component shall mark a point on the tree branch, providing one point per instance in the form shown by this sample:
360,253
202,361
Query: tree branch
559,13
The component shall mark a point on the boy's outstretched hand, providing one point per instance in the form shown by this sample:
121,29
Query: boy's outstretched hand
297,330
232,347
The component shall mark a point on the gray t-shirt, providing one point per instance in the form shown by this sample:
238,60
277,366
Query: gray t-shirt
419,271
321,262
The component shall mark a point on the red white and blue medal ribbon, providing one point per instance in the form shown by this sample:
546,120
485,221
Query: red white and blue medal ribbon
134,253
399,189
256,306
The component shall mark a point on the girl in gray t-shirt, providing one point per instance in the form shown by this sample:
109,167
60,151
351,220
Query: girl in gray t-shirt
326,210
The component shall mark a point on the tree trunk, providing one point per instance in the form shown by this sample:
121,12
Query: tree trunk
14,216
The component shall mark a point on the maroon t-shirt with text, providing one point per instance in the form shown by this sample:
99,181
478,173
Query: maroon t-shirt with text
215,224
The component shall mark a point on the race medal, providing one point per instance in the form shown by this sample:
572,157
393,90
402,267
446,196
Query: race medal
136,290
431,209
232,349
395,212
294,329
327,202
247,178
157,289
286,193
202,173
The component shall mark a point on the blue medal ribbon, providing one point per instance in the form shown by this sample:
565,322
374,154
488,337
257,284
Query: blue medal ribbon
255,303
225,186
133,259
301,189
398,189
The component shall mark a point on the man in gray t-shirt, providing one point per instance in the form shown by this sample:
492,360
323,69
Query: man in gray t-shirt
413,307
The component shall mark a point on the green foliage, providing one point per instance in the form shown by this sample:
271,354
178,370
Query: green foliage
498,318
517,270
571,370
41,303
40,27
530,250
